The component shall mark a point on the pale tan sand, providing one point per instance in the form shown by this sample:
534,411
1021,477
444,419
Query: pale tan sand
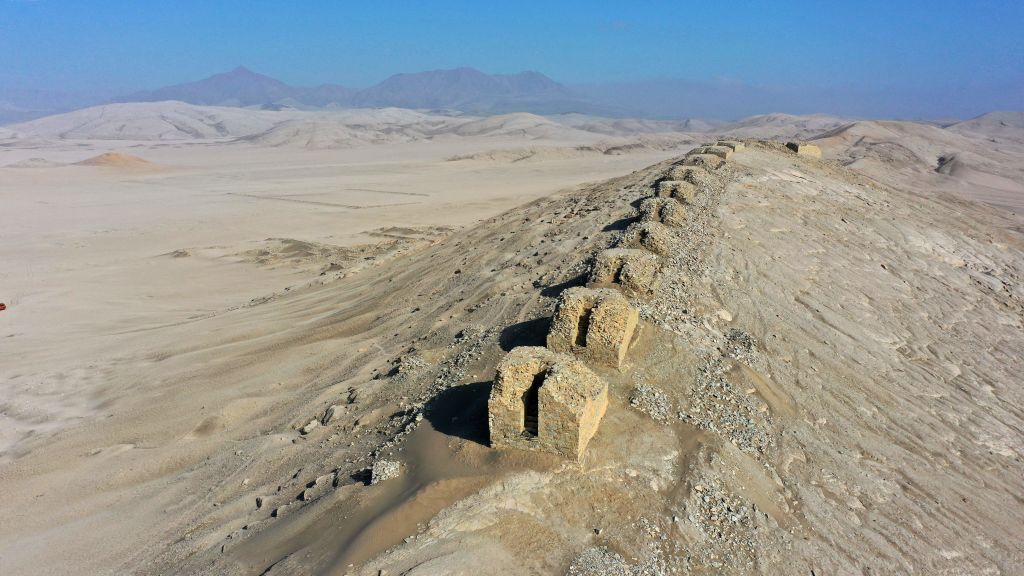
972,160
843,348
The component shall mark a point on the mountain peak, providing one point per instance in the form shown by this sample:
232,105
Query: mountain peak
238,87
241,72
463,88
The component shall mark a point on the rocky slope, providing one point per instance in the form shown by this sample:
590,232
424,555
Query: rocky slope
824,381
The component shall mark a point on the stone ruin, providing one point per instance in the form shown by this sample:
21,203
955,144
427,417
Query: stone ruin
723,152
664,210
653,236
543,400
708,161
596,324
736,145
695,175
633,271
681,190
804,149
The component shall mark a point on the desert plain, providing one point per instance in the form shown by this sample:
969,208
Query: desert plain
220,321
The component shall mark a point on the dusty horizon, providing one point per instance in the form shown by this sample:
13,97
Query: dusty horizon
472,320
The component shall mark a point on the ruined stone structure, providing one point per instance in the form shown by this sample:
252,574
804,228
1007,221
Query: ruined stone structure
695,175
665,210
709,161
543,400
736,145
723,152
804,149
681,190
653,236
596,324
633,271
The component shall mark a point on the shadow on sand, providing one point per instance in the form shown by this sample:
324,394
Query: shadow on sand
620,224
555,290
461,411
529,333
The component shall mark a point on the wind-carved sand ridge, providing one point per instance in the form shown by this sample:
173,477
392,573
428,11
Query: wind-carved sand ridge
806,371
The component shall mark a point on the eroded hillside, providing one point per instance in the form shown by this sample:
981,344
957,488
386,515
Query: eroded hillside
824,380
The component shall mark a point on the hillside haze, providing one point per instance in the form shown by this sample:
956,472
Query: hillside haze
461,89
239,87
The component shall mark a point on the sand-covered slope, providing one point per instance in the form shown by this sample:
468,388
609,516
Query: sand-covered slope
993,125
780,126
824,381
150,121
324,130
981,166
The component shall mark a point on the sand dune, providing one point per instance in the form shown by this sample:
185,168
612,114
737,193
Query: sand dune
150,121
609,148
634,126
116,160
994,125
177,121
965,166
962,162
780,126
519,125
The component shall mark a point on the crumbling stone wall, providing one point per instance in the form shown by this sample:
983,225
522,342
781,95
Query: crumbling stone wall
804,149
695,175
681,190
568,399
735,145
723,152
708,161
634,271
596,324
652,236
664,210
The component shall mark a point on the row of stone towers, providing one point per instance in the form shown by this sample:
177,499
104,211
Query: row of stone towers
546,398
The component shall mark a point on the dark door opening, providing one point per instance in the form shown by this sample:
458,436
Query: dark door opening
531,406
617,279
583,327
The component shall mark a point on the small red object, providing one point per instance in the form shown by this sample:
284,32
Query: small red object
3,306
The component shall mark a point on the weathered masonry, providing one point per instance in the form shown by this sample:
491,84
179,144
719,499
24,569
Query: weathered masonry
736,145
723,152
664,210
681,190
695,175
543,400
634,271
709,161
594,323
653,236
804,149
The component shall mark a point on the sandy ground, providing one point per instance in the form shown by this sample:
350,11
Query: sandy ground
823,381
95,255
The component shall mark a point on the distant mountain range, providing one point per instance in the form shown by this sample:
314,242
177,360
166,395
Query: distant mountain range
474,92
462,89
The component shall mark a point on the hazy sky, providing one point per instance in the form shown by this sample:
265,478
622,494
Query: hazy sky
966,49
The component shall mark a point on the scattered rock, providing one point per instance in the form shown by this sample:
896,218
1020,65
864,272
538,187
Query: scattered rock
651,401
330,413
309,427
384,470
318,487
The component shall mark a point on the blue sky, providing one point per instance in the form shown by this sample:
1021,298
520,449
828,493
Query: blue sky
975,49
